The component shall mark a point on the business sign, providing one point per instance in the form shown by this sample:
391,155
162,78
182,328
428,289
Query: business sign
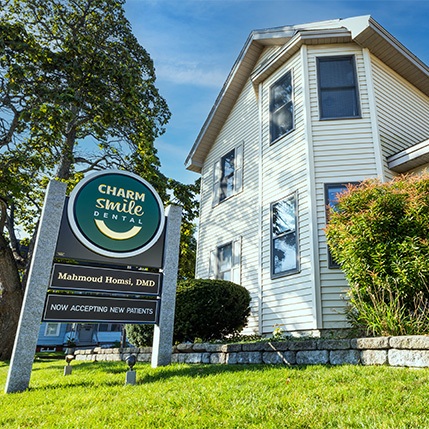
83,309
96,279
116,214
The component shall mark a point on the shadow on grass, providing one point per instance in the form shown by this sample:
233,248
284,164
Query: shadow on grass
81,373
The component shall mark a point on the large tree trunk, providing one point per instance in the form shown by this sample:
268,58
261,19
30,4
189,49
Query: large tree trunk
10,299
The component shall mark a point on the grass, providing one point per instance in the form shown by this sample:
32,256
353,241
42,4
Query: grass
217,396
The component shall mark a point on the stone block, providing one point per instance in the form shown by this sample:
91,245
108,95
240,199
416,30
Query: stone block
199,347
344,357
312,357
409,358
231,348
303,345
342,344
243,358
214,348
253,347
144,357
185,347
415,342
218,358
193,358
205,357
373,357
177,357
370,343
276,358
273,346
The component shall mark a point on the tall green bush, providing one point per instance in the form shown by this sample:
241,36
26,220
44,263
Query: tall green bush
210,309
205,309
379,233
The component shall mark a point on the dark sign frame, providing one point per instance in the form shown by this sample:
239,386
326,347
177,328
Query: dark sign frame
87,309
105,280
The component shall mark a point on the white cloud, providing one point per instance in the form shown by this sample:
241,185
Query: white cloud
190,73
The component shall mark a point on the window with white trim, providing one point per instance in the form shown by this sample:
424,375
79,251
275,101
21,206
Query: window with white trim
281,107
52,329
284,237
228,173
225,261
338,87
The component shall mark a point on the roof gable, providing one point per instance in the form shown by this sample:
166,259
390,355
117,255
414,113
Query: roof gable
363,30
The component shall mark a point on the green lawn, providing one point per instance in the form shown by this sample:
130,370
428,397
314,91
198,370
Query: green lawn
217,396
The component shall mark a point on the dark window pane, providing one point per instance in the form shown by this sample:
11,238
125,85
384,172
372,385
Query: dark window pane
336,73
281,93
284,216
284,257
281,107
282,121
339,103
224,257
227,178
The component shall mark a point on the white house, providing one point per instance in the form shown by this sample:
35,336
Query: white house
305,110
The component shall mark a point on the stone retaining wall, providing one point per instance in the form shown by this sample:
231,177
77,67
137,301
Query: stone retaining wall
411,351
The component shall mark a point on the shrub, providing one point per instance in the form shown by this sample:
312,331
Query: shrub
210,309
205,310
379,234
140,335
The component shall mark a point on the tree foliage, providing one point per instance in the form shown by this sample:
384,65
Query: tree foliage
379,234
77,94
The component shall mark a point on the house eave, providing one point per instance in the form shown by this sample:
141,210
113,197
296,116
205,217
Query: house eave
410,158
362,30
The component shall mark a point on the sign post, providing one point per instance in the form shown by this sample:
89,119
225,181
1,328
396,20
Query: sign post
115,217
163,331
40,272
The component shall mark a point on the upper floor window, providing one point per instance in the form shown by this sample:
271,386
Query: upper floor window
228,173
284,236
281,107
338,88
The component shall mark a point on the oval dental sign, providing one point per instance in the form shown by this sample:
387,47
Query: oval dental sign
116,214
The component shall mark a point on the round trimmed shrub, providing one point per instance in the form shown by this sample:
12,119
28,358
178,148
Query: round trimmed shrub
205,309
210,309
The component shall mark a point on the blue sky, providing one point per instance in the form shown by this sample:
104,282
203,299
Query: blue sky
194,44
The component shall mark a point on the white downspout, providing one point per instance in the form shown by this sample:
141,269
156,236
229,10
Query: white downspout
312,206
260,235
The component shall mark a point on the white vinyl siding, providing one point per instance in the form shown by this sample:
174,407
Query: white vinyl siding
402,111
316,152
287,301
237,215
343,152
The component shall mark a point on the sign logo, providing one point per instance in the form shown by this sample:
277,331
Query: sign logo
116,213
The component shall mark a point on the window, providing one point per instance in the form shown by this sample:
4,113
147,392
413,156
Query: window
225,261
281,107
338,89
228,175
52,329
109,327
224,258
332,191
284,248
